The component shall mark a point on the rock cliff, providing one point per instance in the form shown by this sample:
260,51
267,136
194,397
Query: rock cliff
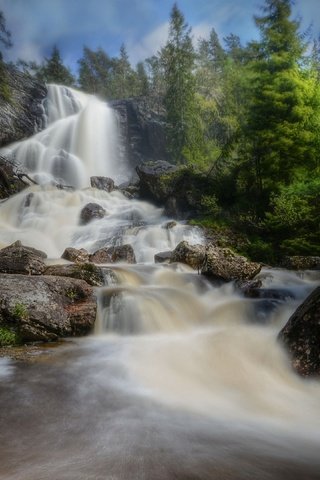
142,131
22,114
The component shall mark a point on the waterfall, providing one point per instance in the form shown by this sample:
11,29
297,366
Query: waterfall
175,365
81,140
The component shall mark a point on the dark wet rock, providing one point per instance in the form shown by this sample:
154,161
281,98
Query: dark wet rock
76,255
301,336
22,114
247,287
163,257
142,131
102,183
169,225
44,308
9,182
89,272
17,258
297,262
121,253
129,190
214,262
182,191
282,294
90,212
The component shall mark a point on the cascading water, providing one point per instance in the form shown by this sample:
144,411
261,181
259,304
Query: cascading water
181,379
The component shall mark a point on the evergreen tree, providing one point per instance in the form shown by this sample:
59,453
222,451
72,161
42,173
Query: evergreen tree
5,40
142,80
96,71
5,35
54,71
178,59
281,114
124,76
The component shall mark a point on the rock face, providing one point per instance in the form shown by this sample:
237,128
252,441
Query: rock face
46,308
142,130
20,259
301,336
217,263
297,262
90,212
122,253
22,114
102,183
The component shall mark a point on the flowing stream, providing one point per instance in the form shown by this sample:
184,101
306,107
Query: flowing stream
181,379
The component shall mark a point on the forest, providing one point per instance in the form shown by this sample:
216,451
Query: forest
244,117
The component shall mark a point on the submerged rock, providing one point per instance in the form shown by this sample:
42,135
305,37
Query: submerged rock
301,336
90,212
43,308
17,258
76,255
102,183
121,253
163,257
214,262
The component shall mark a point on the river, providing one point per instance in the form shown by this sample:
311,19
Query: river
181,379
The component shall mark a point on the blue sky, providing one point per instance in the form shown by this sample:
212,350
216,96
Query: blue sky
37,25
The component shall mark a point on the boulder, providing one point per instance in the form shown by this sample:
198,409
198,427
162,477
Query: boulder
89,272
17,258
192,255
163,257
181,190
90,212
75,255
224,264
301,336
297,262
214,262
121,253
102,183
44,308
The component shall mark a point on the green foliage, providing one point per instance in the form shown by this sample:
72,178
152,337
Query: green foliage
8,337
54,71
178,60
210,205
20,311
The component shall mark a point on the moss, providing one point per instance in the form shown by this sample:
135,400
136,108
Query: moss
8,337
20,311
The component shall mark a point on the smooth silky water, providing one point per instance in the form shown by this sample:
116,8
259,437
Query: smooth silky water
181,379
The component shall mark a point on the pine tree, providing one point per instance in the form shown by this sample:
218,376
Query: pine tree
54,71
96,72
280,124
178,60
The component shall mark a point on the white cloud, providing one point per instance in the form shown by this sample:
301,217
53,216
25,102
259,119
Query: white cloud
150,44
